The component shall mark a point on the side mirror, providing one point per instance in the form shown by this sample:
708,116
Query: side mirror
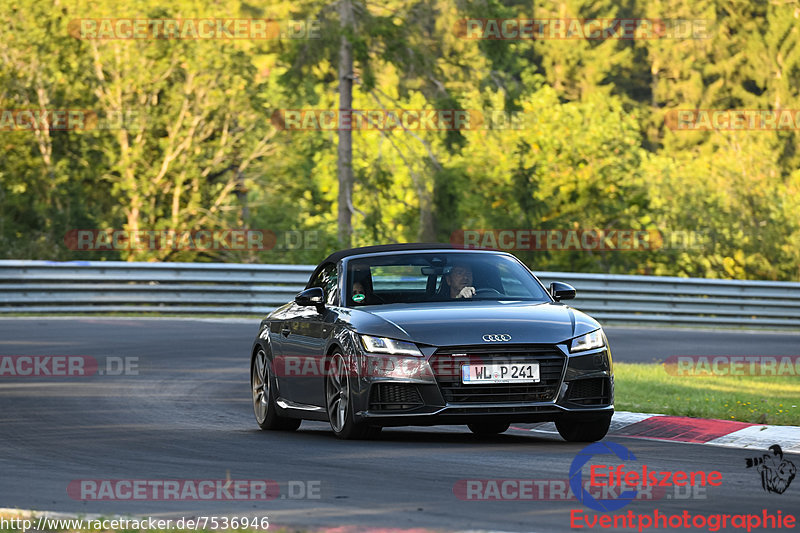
562,291
313,296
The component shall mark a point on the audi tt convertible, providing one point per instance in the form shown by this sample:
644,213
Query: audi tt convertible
422,334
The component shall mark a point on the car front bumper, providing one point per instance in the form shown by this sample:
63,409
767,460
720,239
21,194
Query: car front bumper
578,386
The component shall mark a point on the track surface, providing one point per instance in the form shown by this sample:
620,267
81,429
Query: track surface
187,415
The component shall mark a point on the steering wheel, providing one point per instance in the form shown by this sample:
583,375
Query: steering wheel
488,291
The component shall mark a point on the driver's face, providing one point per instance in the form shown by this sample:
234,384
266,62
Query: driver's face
460,277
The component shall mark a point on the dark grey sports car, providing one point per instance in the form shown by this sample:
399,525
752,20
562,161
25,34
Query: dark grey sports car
420,334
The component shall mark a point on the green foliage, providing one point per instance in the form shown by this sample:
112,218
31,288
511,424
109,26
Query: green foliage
592,148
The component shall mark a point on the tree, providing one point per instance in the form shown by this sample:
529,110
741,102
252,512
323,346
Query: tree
345,161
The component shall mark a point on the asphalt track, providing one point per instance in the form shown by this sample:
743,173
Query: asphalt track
187,414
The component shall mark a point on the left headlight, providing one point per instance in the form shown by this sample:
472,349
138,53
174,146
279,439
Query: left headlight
590,341
389,346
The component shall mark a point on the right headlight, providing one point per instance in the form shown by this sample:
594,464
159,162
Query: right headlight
590,341
384,345
389,358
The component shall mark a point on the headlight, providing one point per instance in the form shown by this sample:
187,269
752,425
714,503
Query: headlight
589,341
391,366
390,346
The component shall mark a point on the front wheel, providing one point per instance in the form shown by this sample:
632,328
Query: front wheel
583,430
266,411
338,401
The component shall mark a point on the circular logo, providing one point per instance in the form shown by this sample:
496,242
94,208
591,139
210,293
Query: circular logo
576,476
496,337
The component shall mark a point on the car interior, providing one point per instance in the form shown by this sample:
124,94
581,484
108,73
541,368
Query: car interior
427,283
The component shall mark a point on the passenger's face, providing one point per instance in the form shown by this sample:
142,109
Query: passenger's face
358,288
460,277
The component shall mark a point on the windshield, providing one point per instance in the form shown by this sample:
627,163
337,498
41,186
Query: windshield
438,277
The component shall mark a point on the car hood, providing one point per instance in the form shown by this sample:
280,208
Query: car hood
460,323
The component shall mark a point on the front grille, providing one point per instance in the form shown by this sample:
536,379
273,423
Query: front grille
593,391
394,397
447,370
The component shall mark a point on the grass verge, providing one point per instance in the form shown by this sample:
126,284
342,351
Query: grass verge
649,388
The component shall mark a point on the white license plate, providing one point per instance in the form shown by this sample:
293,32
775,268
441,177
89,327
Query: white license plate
500,373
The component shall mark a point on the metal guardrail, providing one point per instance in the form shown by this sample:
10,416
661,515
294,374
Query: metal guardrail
221,288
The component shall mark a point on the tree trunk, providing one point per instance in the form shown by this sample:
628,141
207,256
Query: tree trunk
344,164
427,221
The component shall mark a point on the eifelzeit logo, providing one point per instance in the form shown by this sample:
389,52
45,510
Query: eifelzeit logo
776,472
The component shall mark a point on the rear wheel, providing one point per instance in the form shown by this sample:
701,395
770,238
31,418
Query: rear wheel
338,401
583,430
264,406
488,428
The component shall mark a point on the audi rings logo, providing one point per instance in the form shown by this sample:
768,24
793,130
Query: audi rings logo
499,337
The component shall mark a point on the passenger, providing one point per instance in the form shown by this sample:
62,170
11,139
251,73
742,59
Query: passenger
359,293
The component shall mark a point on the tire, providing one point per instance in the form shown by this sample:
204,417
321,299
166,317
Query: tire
261,383
339,404
583,430
493,427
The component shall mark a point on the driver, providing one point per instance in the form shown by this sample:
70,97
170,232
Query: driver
459,279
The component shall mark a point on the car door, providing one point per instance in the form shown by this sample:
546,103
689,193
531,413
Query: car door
304,345
277,329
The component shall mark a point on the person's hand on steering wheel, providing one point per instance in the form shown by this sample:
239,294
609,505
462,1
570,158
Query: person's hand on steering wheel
466,292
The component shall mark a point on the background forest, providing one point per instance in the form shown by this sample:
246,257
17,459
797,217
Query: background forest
595,151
